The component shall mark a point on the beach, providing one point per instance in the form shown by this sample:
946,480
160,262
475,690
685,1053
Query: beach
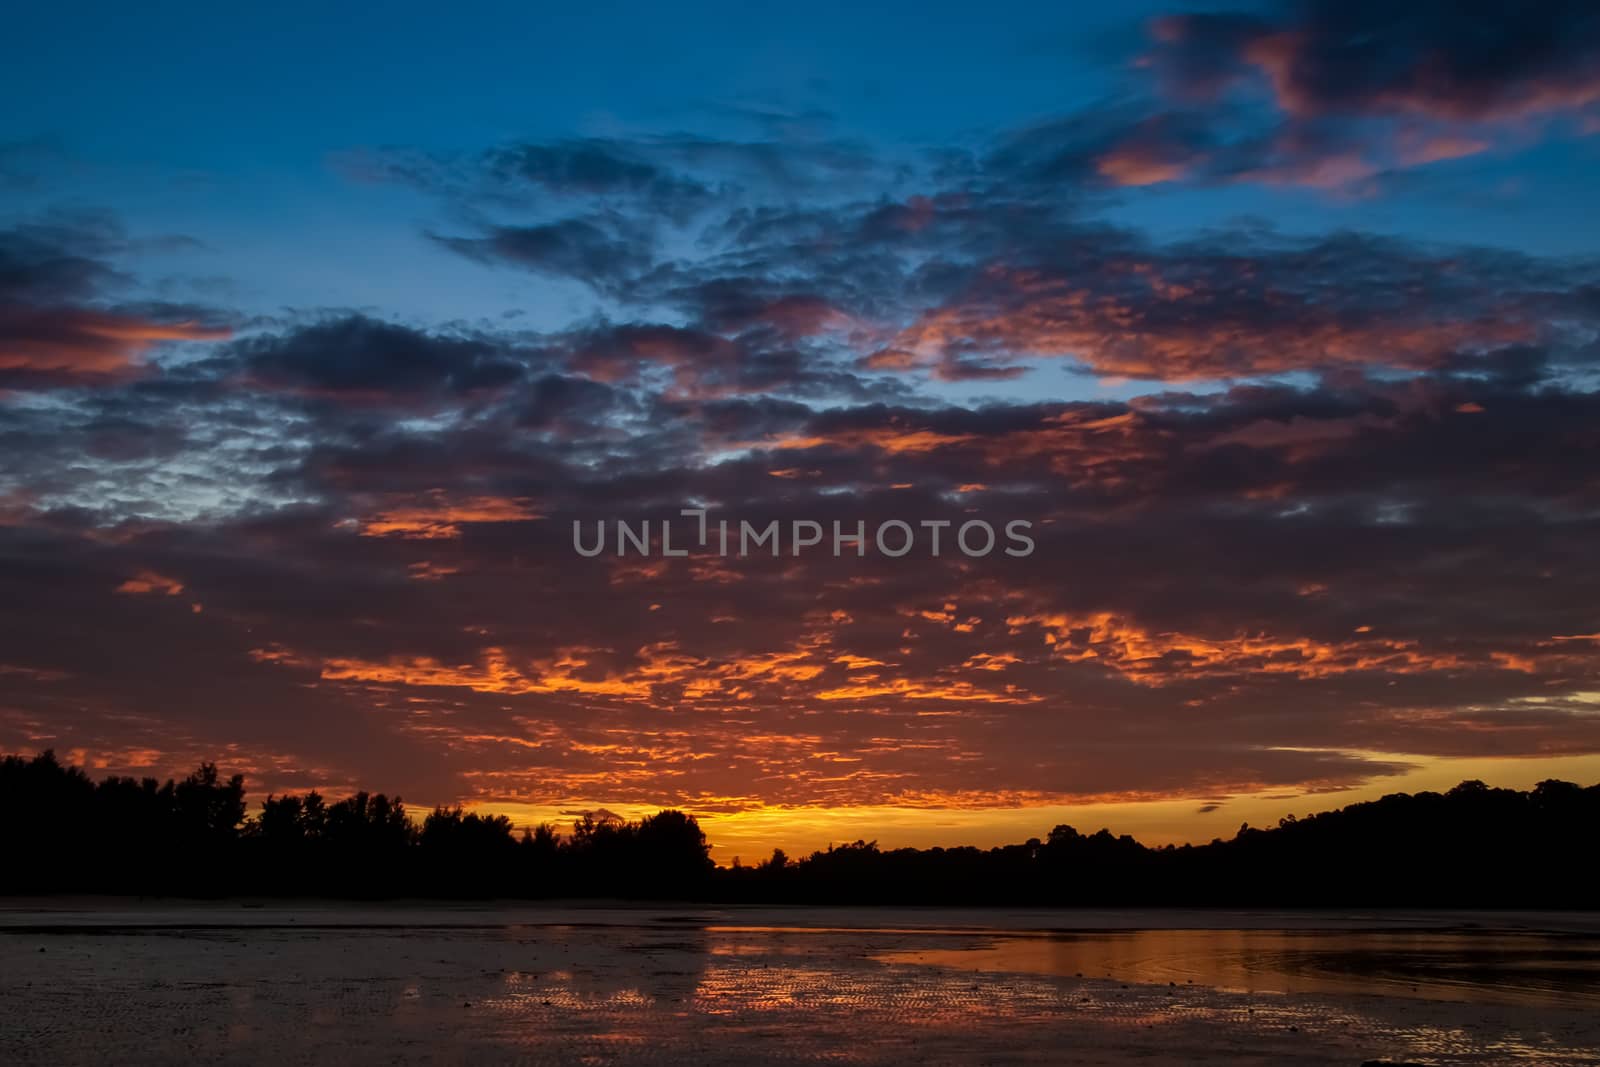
264,982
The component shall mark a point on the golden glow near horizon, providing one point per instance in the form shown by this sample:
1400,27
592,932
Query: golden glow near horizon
752,834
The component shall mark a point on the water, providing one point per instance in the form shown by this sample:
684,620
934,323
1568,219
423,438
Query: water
1472,967
342,984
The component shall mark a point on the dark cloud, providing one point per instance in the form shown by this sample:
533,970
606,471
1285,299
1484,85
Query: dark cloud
672,177
1441,60
1336,95
56,261
598,168
556,401
703,363
1331,95
603,253
58,323
1241,304
357,358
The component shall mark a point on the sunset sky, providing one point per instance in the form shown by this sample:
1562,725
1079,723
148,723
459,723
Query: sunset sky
1280,323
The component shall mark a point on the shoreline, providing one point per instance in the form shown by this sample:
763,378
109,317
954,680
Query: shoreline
260,911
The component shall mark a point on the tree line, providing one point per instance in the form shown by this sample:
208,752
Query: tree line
1472,846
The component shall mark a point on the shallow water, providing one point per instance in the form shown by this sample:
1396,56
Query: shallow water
1470,966
336,984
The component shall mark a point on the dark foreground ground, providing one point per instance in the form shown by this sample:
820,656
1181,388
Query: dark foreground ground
228,983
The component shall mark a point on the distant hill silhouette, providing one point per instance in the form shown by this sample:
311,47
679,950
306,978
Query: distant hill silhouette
1470,847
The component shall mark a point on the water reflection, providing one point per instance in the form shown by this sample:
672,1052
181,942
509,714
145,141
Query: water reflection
838,994
641,990
1518,968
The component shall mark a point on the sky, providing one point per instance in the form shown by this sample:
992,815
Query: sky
1278,324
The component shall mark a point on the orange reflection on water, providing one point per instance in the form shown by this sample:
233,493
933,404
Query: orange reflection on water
1535,969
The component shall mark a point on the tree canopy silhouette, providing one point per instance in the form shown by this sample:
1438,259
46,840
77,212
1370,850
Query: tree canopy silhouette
1470,847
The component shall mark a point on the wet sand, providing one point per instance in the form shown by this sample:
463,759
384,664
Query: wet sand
87,982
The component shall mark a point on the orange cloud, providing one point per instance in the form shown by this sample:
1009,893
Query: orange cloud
495,674
889,439
80,343
1418,149
148,582
1134,165
441,518
1156,658
1191,331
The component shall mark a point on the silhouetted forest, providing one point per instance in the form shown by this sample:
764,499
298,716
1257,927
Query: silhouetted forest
1470,847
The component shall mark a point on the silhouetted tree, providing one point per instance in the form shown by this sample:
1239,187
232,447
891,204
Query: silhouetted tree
467,854
1472,846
